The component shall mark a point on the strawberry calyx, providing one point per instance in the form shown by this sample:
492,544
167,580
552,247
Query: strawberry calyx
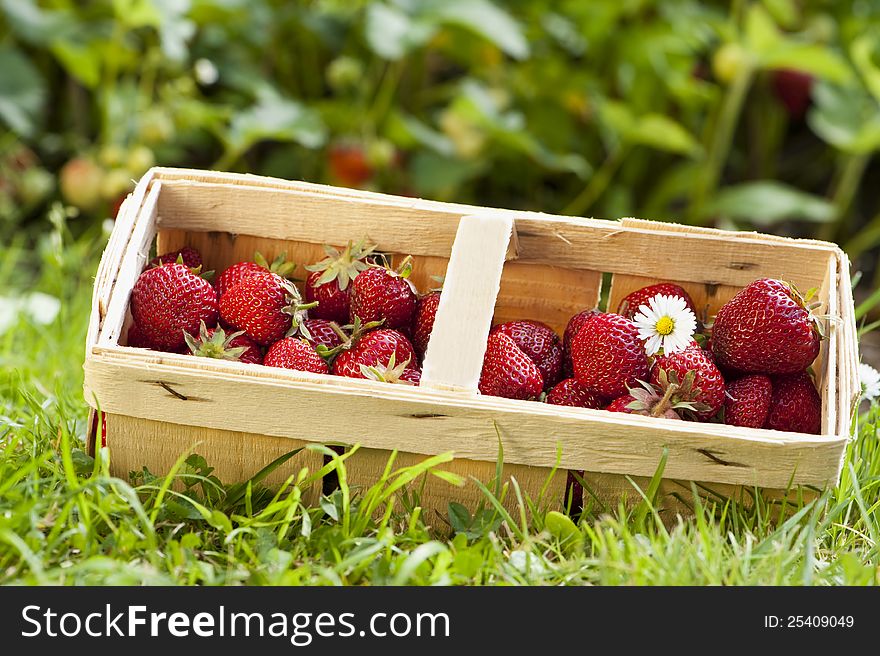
216,345
297,310
403,270
390,373
343,267
672,399
350,334
279,265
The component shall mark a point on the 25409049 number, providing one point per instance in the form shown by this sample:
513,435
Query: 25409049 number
809,621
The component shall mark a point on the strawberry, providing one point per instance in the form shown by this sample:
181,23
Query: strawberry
328,282
795,405
767,329
423,321
748,401
216,343
570,392
573,328
374,348
265,306
608,356
630,305
793,89
187,256
666,400
621,404
379,293
293,353
349,165
507,371
170,300
538,341
708,383
241,270
323,333
136,337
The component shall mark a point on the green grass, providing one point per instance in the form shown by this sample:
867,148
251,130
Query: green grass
64,519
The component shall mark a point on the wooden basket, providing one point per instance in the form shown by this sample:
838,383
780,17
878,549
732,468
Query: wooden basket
241,417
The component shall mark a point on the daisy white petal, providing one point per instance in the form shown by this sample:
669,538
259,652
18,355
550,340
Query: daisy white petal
870,381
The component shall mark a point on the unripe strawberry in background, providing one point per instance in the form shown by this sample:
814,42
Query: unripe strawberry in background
170,300
81,182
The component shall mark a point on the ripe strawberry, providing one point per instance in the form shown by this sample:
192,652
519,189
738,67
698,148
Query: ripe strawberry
187,255
379,293
293,353
767,329
621,404
629,306
507,371
265,306
795,405
748,401
328,282
708,383
171,300
573,328
241,270
323,333
216,343
608,356
372,349
793,89
348,164
423,321
570,392
538,341
136,337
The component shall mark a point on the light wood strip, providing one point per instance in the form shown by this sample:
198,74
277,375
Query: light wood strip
454,358
384,417
135,443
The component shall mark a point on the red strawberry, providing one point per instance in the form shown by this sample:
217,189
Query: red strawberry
136,337
573,328
608,356
241,270
795,405
708,383
765,328
570,392
538,341
265,306
748,401
328,282
423,321
621,404
168,301
293,353
372,349
216,343
629,306
323,333
508,371
793,89
189,256
379,293
349,165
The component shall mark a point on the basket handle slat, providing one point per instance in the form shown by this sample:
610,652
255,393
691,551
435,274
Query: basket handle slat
454,358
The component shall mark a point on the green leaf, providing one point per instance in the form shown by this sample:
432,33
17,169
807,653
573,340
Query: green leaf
459,517
483,18
22,92
767,202
845,117
440,175
565,531
862,51
784,12
408,131
761,32
816,60
391,33
81,60
277,119
34,24
653,130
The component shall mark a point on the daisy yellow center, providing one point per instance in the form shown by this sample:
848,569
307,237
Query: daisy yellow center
664,326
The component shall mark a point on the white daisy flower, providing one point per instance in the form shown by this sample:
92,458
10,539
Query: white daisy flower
870,380
667,323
